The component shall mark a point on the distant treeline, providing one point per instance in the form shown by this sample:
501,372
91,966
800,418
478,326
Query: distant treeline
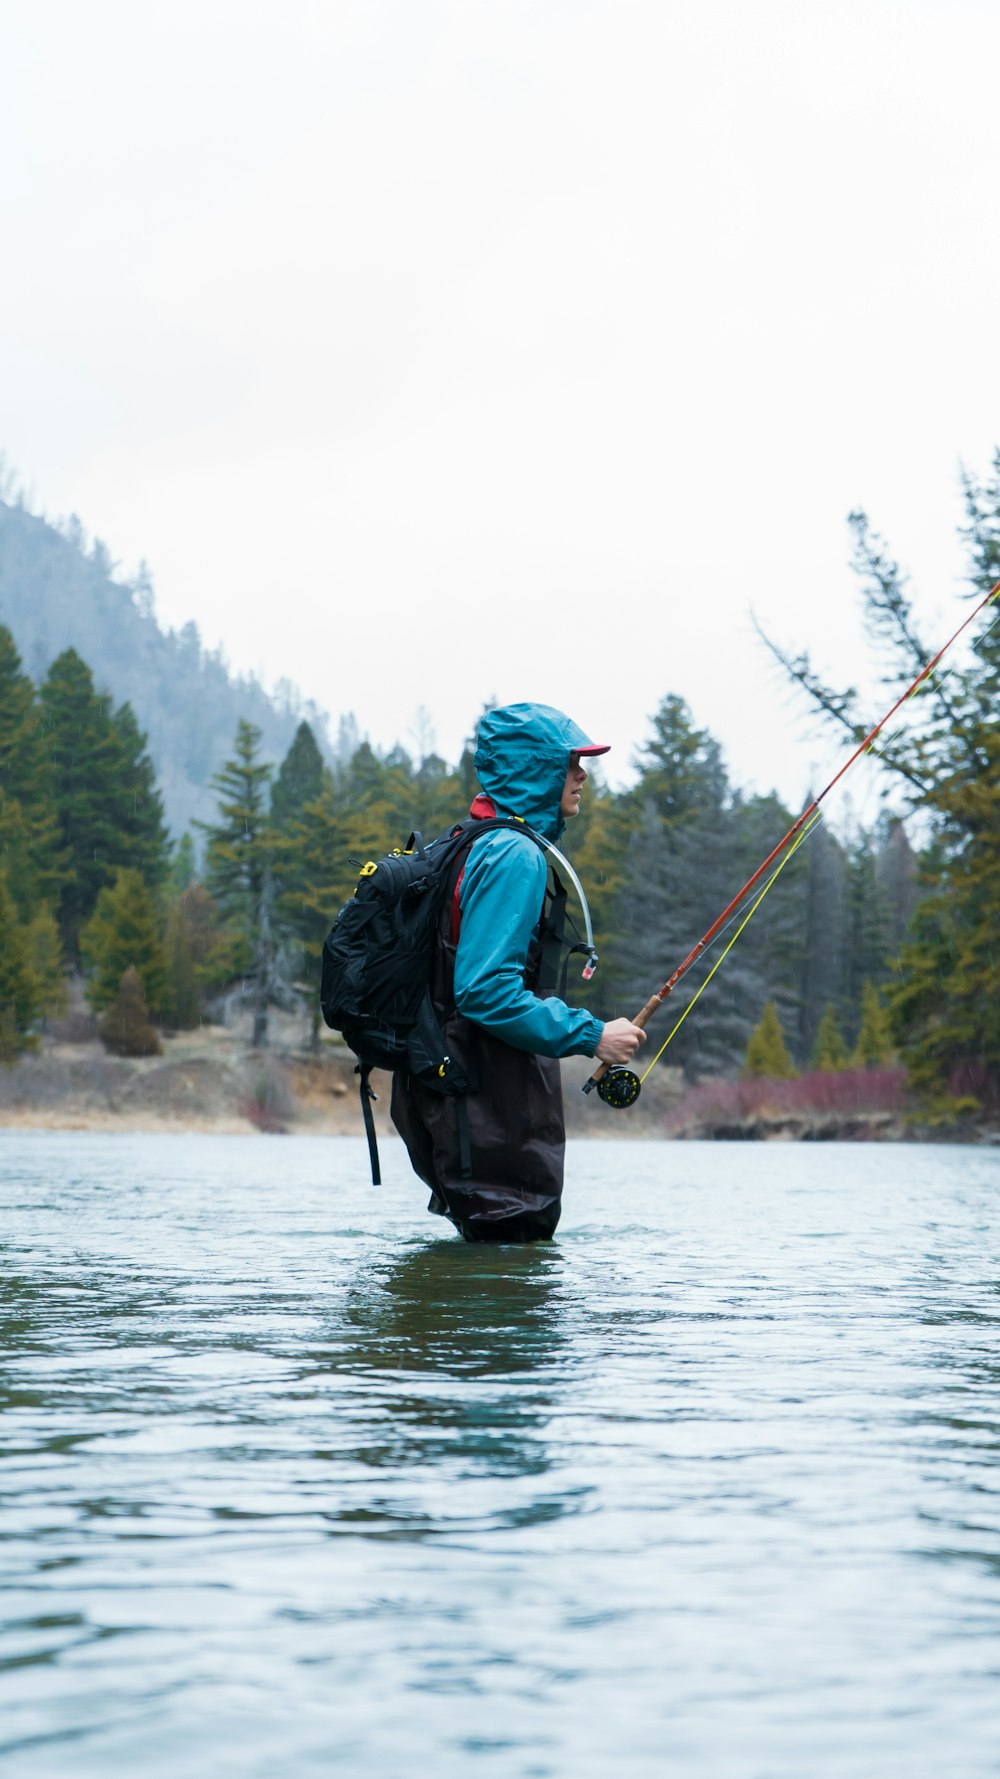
61,589
88,878
239,908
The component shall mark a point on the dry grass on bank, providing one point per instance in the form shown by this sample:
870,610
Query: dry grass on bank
209,1080
212,1080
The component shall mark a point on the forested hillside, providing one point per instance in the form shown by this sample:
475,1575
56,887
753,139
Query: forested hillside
859,931
89,880
59,591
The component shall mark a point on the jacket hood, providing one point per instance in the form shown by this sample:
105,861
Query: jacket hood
521,759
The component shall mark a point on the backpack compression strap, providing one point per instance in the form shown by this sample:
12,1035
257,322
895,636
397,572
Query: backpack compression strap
368,1094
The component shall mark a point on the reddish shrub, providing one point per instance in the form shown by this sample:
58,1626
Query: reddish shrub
270,1104
826,1092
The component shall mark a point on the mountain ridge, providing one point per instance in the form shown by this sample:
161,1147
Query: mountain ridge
59,591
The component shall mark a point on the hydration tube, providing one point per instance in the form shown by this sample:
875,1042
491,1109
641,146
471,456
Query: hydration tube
591,964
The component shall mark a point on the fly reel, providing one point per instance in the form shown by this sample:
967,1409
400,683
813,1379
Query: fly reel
619,1087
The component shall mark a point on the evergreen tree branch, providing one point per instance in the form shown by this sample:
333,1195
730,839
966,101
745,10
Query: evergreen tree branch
889,619
841,708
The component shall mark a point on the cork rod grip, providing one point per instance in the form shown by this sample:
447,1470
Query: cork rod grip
640,1020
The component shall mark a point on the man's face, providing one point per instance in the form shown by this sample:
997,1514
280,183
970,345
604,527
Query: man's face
576,778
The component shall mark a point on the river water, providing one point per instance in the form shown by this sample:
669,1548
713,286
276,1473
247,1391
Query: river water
293,1486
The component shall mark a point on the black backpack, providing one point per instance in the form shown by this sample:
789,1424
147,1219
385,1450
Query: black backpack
375,986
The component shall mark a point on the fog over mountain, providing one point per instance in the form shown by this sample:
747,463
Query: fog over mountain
59,590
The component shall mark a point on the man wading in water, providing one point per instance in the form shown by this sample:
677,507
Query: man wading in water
494,967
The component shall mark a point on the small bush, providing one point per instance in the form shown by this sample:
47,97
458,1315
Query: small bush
270,1104
125,1029
766,1053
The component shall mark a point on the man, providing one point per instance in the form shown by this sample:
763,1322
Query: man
493,1158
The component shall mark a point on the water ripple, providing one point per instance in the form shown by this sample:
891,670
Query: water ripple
292,1486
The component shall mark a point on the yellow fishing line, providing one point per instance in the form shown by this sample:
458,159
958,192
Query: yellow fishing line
724,954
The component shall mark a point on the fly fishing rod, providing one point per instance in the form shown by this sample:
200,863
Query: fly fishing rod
619,1086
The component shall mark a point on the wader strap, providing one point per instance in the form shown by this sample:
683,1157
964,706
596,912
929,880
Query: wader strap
367,1095
464,1144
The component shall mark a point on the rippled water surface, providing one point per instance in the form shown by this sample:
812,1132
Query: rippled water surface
295,1486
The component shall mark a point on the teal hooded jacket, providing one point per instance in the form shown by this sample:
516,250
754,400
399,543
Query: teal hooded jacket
521,760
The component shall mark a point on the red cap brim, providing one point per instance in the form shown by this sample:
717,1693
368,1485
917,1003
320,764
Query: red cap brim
593,749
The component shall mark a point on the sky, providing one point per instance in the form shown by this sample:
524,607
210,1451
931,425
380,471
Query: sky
439,351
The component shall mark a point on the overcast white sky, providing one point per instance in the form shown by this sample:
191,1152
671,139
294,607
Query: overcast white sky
430,351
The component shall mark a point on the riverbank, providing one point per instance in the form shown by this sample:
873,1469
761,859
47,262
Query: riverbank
212,1080
208,1080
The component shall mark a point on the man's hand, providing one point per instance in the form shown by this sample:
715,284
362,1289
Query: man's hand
620,1039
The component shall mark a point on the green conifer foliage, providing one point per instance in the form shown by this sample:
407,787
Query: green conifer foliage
300,779
142,835
945,1007
316,878
874,1047
183,865
239,867
109,811
377,800
301,800
866,937
598,842
124,930
29,829
125,1027
182,1008
19,992
766,1052
682,771
46,962
830,1051
822,966
944,1004
199,957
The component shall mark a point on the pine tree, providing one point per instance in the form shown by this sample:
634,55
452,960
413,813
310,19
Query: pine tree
300,779
142,840
598,843
377,800
874,1046
239,871
125,1028
29,829
19,991
433,798
766,1052
199,956
830,1051
944,1004
682,774
182,1003
317,876
124,930
822,981
768,955
897,868
183,865
45,960
685,829
867,925
109,812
